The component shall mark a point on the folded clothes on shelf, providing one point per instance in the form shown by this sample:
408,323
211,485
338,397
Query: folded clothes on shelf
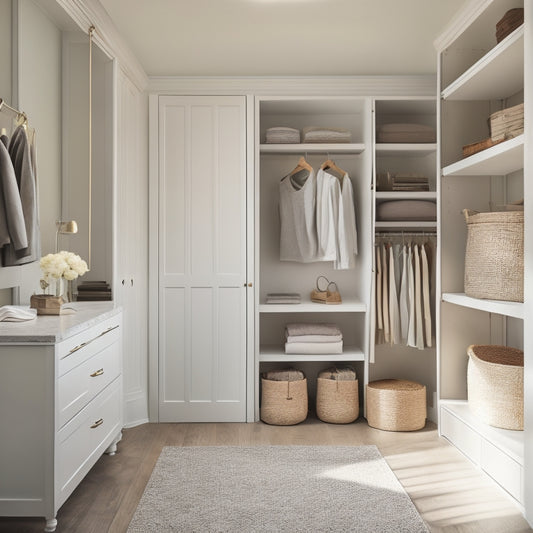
303,328
282,135
283,298
312,338
313,348
313,134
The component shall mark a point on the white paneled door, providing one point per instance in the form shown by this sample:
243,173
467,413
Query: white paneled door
202,259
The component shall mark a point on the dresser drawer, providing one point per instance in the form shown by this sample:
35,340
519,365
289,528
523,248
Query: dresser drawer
84,345
461,435
505,470
79,386
82,440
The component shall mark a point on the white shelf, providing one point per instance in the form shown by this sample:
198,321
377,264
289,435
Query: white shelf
406,195
347,306
511,442
407,149
406,224
498,160
331,148
511,309
276,354
498,74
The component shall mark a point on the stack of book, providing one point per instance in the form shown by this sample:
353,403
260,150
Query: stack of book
409,182
93,290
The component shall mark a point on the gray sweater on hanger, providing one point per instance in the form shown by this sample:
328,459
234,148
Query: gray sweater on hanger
19,150
12,224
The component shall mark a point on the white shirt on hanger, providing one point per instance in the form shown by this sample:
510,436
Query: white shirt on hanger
347,230
328,194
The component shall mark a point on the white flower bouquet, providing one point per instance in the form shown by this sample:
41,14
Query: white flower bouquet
62,265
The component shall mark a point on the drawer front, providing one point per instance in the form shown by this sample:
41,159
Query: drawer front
461,435
79,386
81,442
502,468
84,345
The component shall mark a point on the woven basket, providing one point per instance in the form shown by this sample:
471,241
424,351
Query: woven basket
283,403
495,381
337,401
494,259
396,405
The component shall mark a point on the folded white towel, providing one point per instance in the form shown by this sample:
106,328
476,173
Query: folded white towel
313,348
312,329
313,338
13,313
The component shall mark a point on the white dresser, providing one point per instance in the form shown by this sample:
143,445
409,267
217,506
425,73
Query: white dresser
60,405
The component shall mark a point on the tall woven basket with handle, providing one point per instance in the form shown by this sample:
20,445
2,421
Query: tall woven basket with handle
494,259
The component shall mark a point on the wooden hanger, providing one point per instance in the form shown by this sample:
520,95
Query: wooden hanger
302,165
330,165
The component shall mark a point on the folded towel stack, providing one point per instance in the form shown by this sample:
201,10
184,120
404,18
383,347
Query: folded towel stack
282,135
313,339
283,298
314,134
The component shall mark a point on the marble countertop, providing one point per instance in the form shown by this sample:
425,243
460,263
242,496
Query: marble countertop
49,329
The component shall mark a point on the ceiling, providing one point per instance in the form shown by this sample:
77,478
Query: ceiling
282,37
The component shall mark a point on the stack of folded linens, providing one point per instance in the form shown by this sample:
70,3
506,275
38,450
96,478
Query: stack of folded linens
315,134
282,135
313,339
283,298
405,133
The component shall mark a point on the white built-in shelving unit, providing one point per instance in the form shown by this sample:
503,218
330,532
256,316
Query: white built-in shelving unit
478,76
400,361
274,161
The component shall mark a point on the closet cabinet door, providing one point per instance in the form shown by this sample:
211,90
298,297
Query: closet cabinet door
202,259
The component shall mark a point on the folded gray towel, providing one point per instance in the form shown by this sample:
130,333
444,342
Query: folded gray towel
312,329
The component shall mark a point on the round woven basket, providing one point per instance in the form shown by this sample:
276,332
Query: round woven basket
283,403
495,380
337,401
494,259
396,405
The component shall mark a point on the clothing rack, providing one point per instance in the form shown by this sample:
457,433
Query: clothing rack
388,234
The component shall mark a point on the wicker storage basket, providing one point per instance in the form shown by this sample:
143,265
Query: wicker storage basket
495,381
396,405
337,396
494,259
283,403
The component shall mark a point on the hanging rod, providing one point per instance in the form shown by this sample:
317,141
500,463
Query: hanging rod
20,114
406,234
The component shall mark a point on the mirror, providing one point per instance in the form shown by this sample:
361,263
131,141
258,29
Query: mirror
50,55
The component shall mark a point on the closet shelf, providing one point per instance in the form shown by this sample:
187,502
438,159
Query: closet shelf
498,160
511,309
347,306
498,74
276,354
407,149
406,195
406,224
510,442
330,148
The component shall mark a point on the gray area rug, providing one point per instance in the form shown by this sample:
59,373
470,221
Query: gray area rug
275,489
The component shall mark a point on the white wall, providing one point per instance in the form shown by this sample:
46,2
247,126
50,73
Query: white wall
5,50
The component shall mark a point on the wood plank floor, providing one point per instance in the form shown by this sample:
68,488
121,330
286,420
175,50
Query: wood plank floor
449,492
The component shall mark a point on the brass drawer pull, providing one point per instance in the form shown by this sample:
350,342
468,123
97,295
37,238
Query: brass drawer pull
97,373
80,346
97,423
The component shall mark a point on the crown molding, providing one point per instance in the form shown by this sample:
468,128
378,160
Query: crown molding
460,22
420,85
87,13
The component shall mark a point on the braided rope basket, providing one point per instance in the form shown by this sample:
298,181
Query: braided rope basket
494,259
337,401
396,405
283,403
495,381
